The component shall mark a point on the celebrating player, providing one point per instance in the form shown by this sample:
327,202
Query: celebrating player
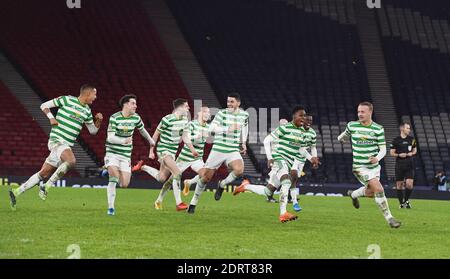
199,132
230,126
172,128
72,114
289,140
299,162
119,145
369,147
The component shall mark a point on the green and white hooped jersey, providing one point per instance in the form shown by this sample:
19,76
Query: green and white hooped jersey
289,138
198,137
366,143
171,128
310,139
123,127
71,116
229,142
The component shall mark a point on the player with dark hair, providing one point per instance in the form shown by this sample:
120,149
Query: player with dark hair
171,130
230,127
289,141
72,114
119,146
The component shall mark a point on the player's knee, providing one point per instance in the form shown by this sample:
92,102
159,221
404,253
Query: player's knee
238,171
71,162
206,178
124,184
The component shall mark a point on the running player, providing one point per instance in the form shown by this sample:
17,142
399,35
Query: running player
230,126
72,114
171,130
369,147
119,145
299,162
199,132
289,140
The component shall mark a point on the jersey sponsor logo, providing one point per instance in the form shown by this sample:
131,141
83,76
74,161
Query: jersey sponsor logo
364,141
77,117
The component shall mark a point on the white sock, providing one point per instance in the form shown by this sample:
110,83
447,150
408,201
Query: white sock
176,189
258,189
285,185
294,195
194,180
165,188
30,183
230,178
199,188
152,171
111,190
59,173
359,192
383,205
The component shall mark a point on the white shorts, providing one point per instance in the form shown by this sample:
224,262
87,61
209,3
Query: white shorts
120,162
298,166
279,169
194,165
364,175
56,149
216,159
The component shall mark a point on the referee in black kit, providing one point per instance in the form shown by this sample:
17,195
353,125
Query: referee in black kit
404,148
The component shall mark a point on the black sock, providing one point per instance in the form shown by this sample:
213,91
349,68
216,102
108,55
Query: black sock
407,194
400,196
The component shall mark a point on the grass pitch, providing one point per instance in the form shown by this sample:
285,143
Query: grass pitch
243,226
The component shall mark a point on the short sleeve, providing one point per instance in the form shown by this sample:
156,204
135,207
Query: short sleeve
278,132
60,101
380,137
140,124
163,124
112,124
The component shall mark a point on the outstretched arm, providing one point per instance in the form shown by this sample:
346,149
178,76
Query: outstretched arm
146,136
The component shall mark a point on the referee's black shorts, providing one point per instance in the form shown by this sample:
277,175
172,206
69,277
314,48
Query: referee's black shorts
404,170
